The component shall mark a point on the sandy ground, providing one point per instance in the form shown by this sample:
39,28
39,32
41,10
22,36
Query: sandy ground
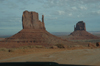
61,56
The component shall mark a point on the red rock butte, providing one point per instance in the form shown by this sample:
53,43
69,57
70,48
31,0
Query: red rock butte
81,33
30,20
33,33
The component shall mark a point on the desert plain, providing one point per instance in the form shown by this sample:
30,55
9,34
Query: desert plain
73,56
35,44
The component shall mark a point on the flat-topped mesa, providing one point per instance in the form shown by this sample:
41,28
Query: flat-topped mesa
30,20
80,26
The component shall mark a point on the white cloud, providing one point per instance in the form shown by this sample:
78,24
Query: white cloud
74,8
61,12
95,12
51,18
58,12
70,14
98,12
53,10
83,7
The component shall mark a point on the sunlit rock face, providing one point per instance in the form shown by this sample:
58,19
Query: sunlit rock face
30,20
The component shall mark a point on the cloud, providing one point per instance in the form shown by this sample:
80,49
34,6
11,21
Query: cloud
50,17
74,8
70,14
83,8
55,11
71,7
60,12
90,1
95,12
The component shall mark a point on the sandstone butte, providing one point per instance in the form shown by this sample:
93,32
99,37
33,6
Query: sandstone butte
33,33
81,33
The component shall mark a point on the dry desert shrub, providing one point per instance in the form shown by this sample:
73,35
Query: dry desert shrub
54,47
98,44
4,49
7,50
31,46
60,45
11,50
39,46
26,47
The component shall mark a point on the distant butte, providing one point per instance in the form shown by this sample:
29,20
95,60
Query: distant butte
80,26
33,33
81,33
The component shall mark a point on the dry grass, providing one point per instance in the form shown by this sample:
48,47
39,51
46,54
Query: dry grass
4,49
31,46
60,45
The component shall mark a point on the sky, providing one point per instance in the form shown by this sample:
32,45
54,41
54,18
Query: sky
59,15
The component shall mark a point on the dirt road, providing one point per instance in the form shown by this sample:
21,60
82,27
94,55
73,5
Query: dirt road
77,57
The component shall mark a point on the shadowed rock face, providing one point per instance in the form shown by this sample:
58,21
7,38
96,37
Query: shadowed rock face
30,20
80,26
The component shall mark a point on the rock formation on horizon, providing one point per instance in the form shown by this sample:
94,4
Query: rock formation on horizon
33,33
80,26
81,33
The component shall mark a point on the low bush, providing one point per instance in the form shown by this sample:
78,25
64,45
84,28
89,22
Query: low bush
4,49
60,45
38,46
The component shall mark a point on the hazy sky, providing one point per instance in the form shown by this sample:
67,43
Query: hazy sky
59,15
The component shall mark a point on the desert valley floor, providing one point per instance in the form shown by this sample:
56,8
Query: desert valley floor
86,56
35,44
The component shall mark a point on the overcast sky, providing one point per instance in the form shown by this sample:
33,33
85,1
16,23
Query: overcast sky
59,15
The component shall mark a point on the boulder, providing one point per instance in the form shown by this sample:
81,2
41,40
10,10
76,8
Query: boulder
54,47
98,44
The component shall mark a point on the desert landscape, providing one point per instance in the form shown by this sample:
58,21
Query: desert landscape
34,43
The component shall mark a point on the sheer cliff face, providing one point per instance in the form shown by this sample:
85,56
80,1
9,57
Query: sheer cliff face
80,26
30,20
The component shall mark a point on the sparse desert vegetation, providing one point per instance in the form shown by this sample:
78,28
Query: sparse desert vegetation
59,55
60,45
